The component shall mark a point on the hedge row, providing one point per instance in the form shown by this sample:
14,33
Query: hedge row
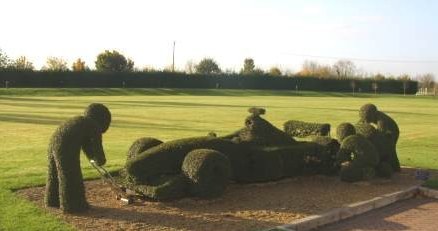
180,80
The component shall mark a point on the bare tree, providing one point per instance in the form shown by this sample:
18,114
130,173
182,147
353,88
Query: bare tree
55,64
22,64
314,69
344,69
426,81
405,78
190,67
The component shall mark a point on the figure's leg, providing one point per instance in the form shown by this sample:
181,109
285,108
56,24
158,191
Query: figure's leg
393,159
71,187
51,198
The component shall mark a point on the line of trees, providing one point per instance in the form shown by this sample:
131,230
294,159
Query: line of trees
114,61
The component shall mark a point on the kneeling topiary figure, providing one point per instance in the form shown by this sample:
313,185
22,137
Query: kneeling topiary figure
387,126
357,155
65,187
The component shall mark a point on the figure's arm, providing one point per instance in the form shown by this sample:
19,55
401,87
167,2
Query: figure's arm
93,149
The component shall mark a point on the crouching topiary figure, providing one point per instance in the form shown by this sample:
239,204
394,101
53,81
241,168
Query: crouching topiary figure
65,187
358,156
387,127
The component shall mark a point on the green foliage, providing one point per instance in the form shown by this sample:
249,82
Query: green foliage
141,145
174,80
297,128
113,61
208,171
344,130
207,66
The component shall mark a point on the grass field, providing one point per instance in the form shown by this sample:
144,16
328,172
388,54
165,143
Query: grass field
29,116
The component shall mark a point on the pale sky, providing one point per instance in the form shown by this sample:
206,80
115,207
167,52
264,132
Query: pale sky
403,35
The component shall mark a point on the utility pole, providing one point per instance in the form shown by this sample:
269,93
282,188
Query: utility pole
173,57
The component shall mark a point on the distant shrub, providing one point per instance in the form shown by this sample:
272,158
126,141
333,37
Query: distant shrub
208,171
297,128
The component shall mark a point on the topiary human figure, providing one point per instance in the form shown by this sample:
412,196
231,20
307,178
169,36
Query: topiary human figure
369,113
359,158
65,187
380,142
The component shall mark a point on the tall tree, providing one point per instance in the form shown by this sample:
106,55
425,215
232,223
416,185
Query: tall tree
4,60
248,66
207,66
113,61
405,78
426,81
79,65
55,64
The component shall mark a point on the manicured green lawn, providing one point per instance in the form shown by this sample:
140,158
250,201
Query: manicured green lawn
29,116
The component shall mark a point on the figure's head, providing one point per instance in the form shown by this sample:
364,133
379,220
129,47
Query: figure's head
99,113
344,130
254,121
368,113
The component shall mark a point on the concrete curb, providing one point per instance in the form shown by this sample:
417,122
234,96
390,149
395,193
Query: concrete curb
337,214
427,192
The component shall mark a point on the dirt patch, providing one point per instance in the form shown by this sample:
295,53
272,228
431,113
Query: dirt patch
242,207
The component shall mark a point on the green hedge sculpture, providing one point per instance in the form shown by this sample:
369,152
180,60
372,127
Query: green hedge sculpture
297,128
65,187
208,171
369,113
357,155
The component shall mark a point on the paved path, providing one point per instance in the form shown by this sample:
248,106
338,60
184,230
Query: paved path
414,214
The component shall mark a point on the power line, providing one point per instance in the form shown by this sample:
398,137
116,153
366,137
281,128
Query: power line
364,59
